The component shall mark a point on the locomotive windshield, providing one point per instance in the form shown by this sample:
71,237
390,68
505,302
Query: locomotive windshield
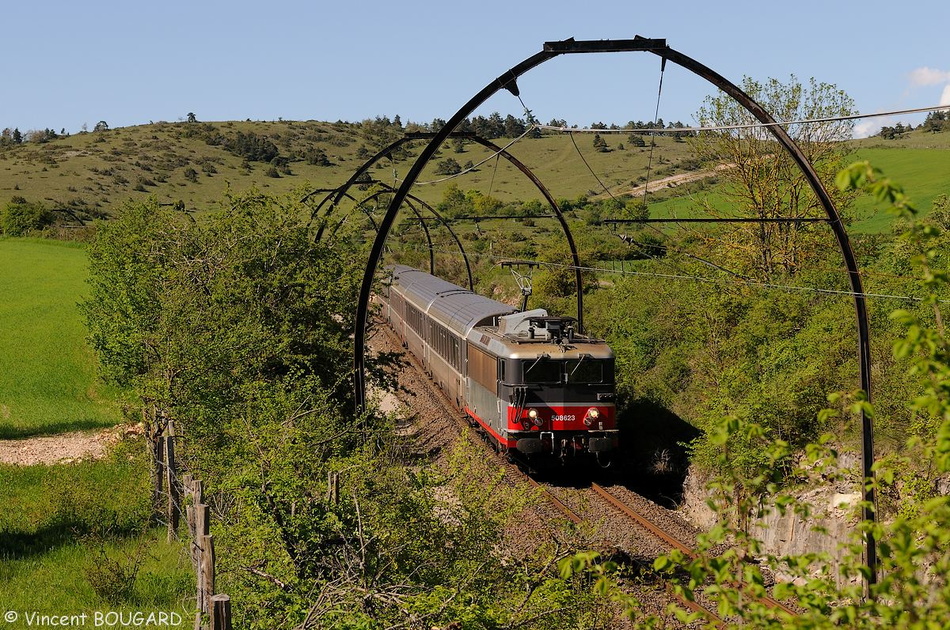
583,370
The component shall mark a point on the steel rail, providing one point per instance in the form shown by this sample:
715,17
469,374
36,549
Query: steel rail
560,505
667,538
573,516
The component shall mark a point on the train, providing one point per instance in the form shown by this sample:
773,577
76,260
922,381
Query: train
534,385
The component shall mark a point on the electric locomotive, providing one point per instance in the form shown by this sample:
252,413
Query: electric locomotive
528,379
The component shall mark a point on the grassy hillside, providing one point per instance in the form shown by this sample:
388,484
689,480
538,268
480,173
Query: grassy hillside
192,163
47,373
198,163
924,174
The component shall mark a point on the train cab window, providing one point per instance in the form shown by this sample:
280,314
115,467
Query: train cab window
588,370
542,371
584,370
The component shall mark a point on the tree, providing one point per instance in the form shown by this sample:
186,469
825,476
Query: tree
514,127
448,166
191,117
600,144
913,542
101,126
936,121
763,181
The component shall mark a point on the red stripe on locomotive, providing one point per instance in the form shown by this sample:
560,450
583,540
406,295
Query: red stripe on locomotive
504,441
567,417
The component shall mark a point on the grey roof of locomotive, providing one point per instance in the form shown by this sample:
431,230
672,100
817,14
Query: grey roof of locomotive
458,309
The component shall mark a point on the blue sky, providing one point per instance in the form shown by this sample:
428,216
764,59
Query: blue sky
66,64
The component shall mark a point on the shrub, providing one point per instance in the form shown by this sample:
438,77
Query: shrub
21,217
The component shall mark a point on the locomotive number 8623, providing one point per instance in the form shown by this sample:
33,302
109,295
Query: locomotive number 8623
527,379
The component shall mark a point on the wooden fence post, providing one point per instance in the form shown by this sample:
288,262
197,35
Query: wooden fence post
206,576
220,612
171,513
158,463
201,529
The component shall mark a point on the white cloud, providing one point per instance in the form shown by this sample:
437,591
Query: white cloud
867,128
945,97
929,76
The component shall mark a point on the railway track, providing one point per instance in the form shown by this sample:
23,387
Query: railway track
670,540
643,522
577,519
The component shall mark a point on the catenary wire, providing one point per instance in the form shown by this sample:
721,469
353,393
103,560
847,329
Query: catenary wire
803,121
703,279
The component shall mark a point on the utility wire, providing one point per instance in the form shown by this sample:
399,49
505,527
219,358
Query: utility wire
803,121
476,165
738,280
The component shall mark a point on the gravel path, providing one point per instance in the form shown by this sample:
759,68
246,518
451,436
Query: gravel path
64,448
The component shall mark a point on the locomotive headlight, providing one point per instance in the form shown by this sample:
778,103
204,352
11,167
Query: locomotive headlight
535,417
592,415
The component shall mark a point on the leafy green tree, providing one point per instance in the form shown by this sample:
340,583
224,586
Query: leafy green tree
763,181
448,166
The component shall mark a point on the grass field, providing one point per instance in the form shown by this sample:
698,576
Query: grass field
924,174
48,380
67,528
68,532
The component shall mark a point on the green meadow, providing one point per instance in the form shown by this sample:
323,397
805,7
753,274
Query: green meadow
48,381
75,538
923,172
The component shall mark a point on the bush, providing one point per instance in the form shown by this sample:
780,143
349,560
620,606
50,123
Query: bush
21,217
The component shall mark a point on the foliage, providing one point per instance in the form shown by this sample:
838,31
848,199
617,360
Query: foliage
252,147
236,326
192,311
20,217
764,181
448,166
912,590
936,122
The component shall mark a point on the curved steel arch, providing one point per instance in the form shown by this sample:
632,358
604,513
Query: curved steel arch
443,221
422,222
410,137
508,81
578,282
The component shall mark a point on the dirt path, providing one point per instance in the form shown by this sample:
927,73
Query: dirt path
61,449
669,182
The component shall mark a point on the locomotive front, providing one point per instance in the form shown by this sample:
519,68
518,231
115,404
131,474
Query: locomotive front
559,387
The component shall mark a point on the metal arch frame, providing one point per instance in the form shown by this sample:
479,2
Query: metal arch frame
578,281
442,220
422,222
342,191
508,81
410,137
